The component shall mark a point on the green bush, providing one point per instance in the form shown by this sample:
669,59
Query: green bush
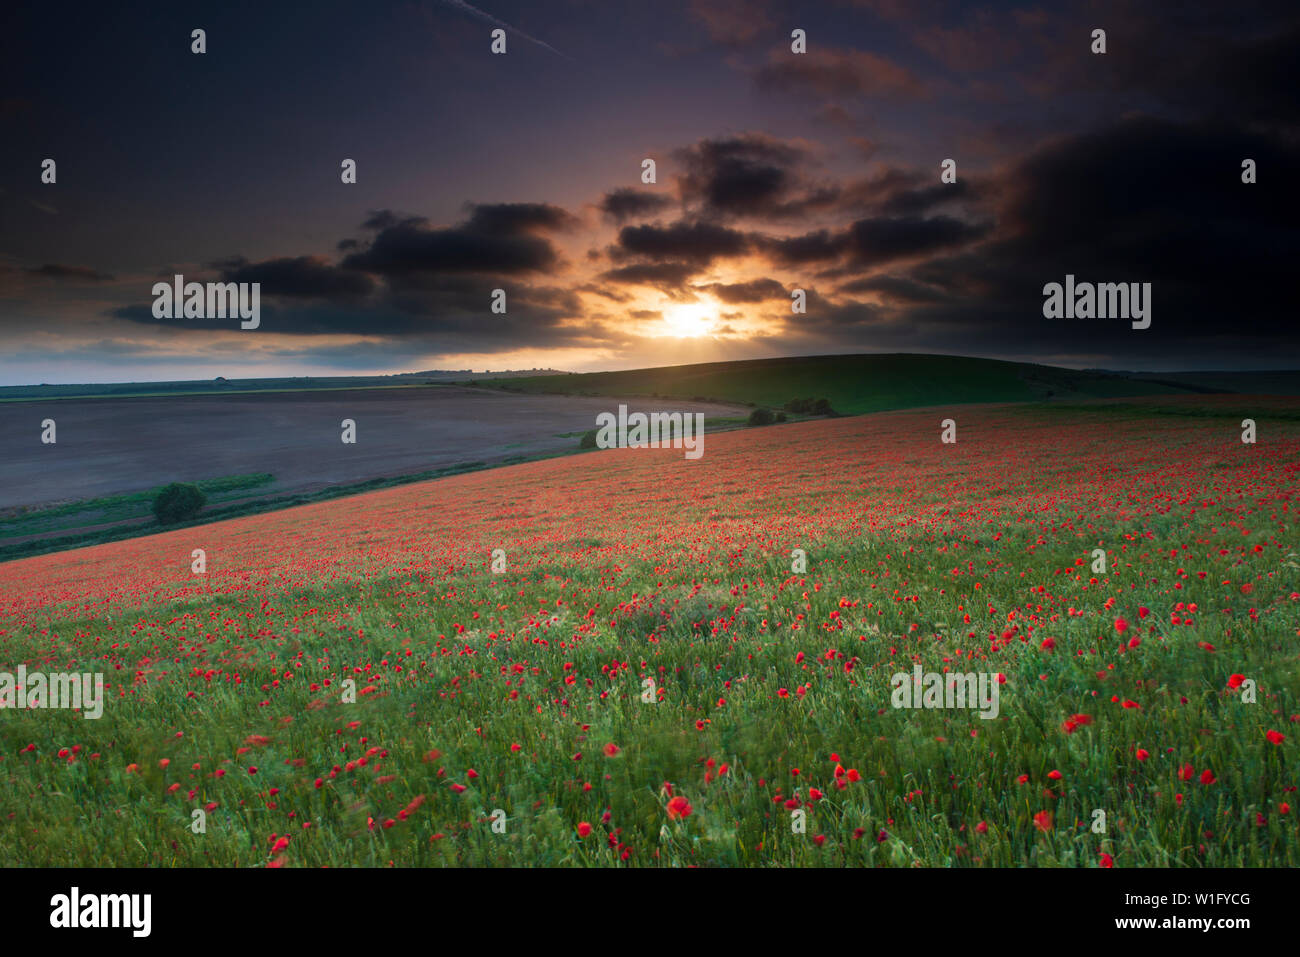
761,417
177,502
588,439
810,407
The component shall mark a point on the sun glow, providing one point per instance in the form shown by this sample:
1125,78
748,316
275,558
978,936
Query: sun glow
689,320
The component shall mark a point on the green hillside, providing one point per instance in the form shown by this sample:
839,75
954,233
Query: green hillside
853,383
1270,382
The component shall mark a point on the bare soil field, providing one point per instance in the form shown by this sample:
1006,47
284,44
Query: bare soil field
110,446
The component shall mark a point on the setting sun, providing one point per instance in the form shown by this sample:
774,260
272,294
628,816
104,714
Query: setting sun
689,320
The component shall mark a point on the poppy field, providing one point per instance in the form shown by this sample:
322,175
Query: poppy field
628,658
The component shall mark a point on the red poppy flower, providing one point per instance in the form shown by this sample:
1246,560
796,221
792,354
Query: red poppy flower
1076,721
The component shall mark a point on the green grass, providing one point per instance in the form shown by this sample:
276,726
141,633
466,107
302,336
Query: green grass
926,782
116,508
525,676
854,384
213,512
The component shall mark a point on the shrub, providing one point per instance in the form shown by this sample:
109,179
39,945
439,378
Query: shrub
177,502
810,407
588,440
761,417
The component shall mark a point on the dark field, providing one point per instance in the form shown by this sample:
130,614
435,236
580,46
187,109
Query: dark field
108,446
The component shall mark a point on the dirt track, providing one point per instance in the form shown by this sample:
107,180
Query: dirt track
107,446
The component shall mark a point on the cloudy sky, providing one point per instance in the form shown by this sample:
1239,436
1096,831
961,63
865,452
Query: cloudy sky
522,171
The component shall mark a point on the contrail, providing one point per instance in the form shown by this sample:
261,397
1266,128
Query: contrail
476,12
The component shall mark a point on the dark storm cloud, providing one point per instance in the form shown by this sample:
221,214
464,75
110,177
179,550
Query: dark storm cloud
1233,62
694,242
818,246
1145,175
847,322
908,191
669,274
881,240
386,219
1148,200
1251,80
289,320
756,290
752,175
895,290
497,239
746,174
914,202
509,219
302,277
453,307
873,241
626,203
430,286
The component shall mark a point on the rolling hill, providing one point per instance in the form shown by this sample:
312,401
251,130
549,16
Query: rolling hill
855,384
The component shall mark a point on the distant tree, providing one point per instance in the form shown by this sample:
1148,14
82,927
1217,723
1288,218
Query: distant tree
588,439
177,502
761,417
810,407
